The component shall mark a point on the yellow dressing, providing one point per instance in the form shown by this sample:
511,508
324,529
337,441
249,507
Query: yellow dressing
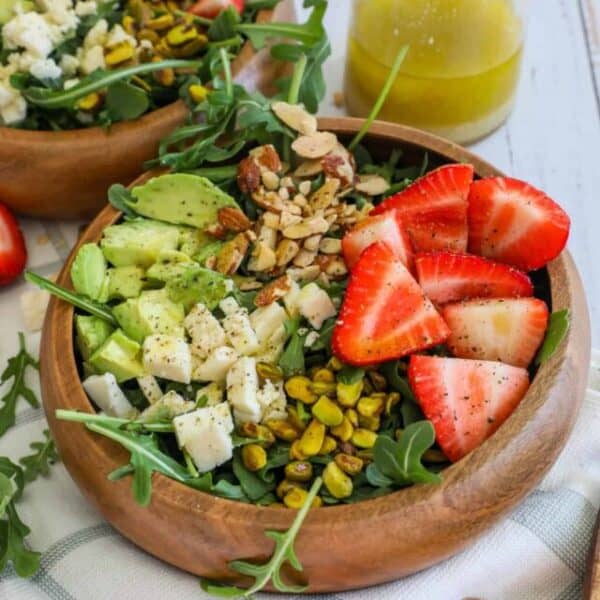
460,74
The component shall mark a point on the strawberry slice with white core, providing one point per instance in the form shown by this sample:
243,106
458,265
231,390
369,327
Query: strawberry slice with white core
13,253
515,223
447,277
387,228
434,209
466,400
509,330
385,314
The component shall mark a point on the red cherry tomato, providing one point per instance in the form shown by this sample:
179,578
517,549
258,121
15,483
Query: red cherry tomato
13,254
209,9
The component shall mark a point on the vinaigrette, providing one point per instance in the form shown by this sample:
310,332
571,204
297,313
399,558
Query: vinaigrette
461,72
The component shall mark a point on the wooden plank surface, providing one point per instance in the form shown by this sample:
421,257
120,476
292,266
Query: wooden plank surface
552,138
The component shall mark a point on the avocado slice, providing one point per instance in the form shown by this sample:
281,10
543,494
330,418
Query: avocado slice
119,355
138,242
169,264
91,333
192,240
195,285
153,312
180,198
88,271
125,282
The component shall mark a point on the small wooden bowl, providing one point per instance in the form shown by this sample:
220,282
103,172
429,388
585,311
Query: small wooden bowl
341,547
65,174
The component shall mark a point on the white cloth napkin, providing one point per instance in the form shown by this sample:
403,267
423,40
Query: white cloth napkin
538,553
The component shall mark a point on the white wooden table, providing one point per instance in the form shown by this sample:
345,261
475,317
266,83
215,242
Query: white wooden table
552,138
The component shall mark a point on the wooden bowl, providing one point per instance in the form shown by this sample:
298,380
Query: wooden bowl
65,174
341,547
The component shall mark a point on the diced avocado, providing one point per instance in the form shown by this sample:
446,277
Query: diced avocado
88,271
152,312
119,355
211,249
91,334
138,242
180,198
192,240
125,282
169,264
8,9
197,285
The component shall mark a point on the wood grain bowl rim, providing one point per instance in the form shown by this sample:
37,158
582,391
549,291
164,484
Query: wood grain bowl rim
148,120
475,492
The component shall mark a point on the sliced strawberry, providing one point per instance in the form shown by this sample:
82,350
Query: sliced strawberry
513,222
385,314
434,209
447,277
466,400
509,330
13,254
209,9
387,228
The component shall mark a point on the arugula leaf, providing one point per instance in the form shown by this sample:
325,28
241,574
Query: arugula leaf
350,375
224,26
396,381
39,462
292,359
253,486
8,489
270,571
558,326
400,462
98,80
119,196
411,413
14,473
15,370
126,101
13,546
89,306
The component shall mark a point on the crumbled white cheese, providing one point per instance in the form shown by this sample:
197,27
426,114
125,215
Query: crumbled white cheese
31,31
272,401
205,434
69,83
91,58
118,35
83,8
45,68
315,305
167,357
69,64
13,107
97,35
105,392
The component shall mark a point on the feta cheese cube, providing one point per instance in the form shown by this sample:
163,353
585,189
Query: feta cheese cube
97,35
229,306
205,330
150,388
242,388
91,59
272,401
168,406
266,320
215,367
104,391
290,300
273,349
240,333
167,357
315,305
205,434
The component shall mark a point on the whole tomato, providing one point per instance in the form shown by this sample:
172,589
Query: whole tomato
210,9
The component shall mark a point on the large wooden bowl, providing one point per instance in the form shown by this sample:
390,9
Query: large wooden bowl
65,174
341,547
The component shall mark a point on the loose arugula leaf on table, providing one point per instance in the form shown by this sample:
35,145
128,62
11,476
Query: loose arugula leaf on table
13,546
15,370
13,472
39,462
558,326
83,302
399,463
270,571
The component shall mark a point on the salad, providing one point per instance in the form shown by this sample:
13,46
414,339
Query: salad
67,64
309,324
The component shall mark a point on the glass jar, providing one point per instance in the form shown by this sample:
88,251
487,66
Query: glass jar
460,75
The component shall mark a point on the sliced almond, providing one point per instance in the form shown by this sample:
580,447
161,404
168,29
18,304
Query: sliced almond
304,258
317,224
217,231
297,231
266,158
325,195
268,236
250,235
339,163
304,188
273,291
271,220
372,185
233,219
248,284
262,258
296,117
293,208
308,168
232,254
288,219
304,273
270,201
286,251
316,145
248,175
300,200
312,243
284,194
270,180
333,266
330,245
